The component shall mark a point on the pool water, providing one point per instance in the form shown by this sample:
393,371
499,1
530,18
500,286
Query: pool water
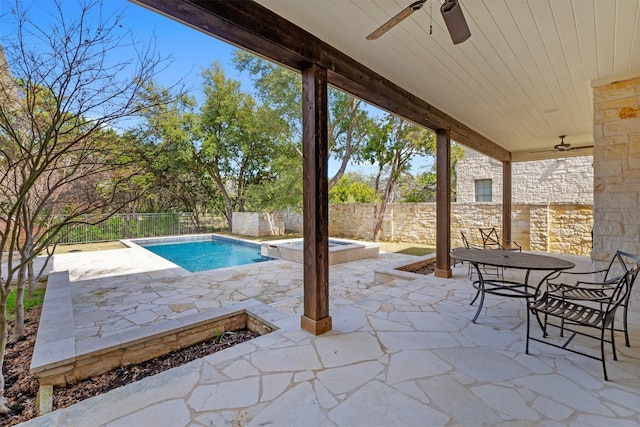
208,254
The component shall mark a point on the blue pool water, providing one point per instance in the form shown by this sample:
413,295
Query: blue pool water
208,254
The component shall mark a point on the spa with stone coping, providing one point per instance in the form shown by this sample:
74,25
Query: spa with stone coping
340,250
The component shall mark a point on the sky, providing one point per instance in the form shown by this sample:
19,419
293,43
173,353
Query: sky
189,49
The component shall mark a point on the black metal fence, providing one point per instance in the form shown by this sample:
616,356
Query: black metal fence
138,225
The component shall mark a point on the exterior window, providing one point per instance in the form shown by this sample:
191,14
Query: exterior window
483,190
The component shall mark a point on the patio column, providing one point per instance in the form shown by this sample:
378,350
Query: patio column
443,203
506,202
315,201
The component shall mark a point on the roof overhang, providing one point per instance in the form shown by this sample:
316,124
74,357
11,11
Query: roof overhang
523,78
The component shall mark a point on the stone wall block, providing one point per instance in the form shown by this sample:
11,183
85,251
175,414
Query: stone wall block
619,99
622,127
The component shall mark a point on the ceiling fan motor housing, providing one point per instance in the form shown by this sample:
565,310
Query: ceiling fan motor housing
455,21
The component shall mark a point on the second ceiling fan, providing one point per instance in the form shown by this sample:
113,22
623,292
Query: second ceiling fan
563,146
451,13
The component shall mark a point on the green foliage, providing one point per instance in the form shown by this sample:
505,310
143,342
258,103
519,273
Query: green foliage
277,87
284,190
219,336
351,188
418,189
422,187
240,139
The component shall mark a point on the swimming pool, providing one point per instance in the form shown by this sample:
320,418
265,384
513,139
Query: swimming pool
205,254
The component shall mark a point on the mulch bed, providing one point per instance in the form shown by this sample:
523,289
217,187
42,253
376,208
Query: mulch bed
21,387
426,269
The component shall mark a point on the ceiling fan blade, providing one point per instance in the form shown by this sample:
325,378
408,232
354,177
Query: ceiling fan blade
403,14
582,147
570,148
542,151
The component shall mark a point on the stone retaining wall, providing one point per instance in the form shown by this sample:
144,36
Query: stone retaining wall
557,228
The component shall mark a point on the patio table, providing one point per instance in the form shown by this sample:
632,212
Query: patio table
508,259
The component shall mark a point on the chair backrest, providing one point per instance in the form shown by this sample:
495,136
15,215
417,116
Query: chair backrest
490,239
465,242
620,293
621,262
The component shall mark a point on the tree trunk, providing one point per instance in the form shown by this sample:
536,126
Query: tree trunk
352,108
228,203
4,409
377,229
32,280
18,328
375,201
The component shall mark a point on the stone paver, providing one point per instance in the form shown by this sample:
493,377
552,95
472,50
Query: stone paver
401,353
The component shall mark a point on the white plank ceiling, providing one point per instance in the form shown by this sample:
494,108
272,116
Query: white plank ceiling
523,78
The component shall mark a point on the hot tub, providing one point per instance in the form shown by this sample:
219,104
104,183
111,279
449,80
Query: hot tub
339,250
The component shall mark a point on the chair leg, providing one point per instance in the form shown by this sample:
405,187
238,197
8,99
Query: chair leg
613,341
526,348
604,365
624,326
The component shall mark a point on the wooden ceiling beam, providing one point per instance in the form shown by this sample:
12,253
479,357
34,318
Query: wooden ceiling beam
253,27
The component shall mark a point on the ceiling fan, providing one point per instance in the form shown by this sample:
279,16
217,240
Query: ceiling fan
451,13
563,146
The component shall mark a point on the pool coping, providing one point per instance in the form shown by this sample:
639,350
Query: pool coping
136,244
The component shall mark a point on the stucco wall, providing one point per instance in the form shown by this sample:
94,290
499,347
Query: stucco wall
616,163
258,224
567,180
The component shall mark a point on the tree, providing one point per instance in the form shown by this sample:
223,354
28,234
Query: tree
422,187
351,188
350,121
170,139
239,139
349,126
58,154
392,146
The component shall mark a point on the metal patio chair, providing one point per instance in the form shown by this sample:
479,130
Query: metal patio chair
594,312
471,270
577,285
491,240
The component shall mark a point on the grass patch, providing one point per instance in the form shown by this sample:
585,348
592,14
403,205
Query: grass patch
417,251
406,248
29,302
88,247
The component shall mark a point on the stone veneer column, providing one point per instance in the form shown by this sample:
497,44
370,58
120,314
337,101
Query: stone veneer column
616,165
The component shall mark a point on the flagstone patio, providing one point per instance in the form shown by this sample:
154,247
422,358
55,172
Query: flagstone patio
403,351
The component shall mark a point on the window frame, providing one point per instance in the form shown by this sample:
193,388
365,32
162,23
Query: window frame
483,196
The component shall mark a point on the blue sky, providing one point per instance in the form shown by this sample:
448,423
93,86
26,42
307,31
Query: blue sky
189,49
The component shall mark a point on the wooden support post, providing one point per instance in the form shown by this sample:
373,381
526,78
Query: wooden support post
506,204
315,202
443,204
